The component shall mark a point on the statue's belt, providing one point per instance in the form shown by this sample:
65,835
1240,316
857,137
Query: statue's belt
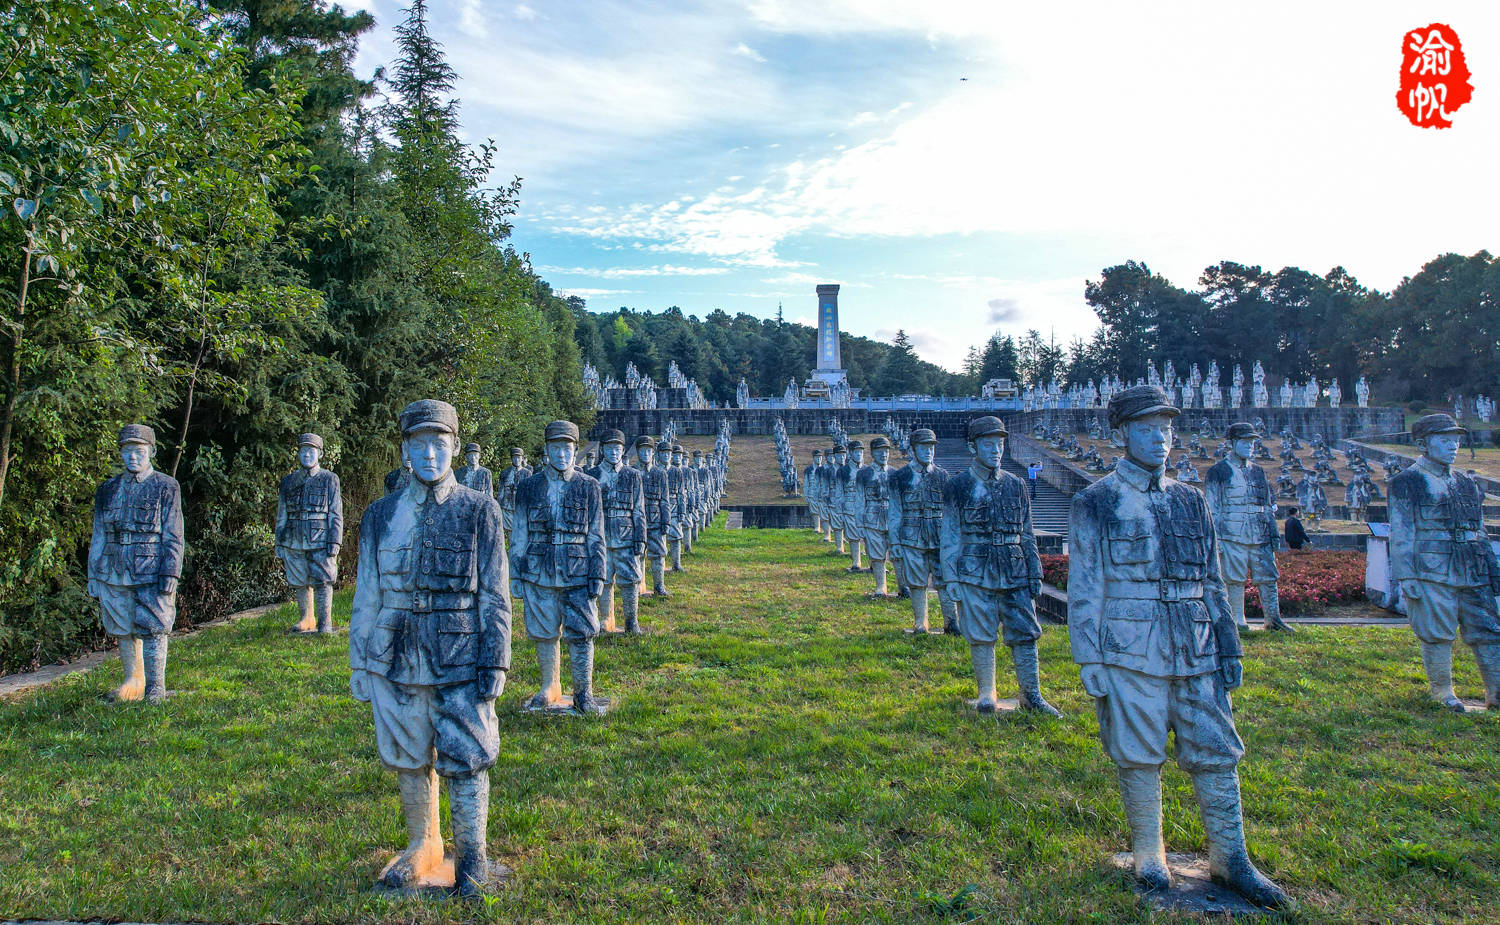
134,537
420,601
1165,589
561,539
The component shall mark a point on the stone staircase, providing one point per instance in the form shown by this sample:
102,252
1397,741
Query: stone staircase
1049,509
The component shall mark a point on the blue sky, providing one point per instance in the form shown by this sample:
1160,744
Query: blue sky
960,167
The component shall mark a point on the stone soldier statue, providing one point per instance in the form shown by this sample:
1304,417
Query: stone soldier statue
658,509
429,648
1157,646
825,490
558,566
836,495
472,474
710,488
812,486
991,566
509,480
678,497
915,528
1244,513
1442,560
309,532
135,560
851,507
624,499
398,478
873,489
699,481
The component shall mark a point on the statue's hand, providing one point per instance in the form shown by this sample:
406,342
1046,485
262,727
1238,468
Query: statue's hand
1036,587
1095,680
596,587
333,551
489,683
359,685
96,588
1232,672
167,584
1411,589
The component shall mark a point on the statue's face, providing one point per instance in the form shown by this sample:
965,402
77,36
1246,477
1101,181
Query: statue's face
1244,447
136,457
1148,439
645,454
309,456
838,459
561,454
987,450
517,460
880,457
472,459
613,453
676,458
1444,447
857,457
924,452
429,454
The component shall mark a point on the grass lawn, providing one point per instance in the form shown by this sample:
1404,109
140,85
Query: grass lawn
780,752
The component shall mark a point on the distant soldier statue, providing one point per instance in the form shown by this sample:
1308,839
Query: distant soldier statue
873,491
915,530
710,485
558,567
835,494
1362,392
509,480
811,490
624,499
678,497
1157,646
1244,514
1443,562
472,474
701,488
135,560
309,533
850,505
825,487
429,648
658,509
991,566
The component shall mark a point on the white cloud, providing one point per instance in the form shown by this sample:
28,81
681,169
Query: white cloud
472,20
745,51
627,272
524,12
591,293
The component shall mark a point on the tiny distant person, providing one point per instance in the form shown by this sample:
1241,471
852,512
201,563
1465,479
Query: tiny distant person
1296,537
1032,471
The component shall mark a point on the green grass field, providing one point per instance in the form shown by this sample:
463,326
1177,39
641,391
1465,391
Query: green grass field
781,752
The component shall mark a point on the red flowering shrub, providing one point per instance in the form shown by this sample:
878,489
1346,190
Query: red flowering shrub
1310,579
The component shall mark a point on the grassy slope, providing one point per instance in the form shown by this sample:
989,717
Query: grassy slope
781,752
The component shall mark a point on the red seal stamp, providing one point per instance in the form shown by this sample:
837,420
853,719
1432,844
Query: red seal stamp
1434,76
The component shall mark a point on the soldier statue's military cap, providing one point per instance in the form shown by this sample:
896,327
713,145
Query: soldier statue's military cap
987,426
612,436
836,449
663,447
817,452
677,448
697,454
1137,402
1241,431
1431,425
310,440
517,451
471,448
854,445
560,430
645,441
880,443
137,433
429,414
922,435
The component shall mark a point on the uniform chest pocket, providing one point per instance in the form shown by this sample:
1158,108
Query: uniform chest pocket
1129,541
976,513
454,556
394,560
146,516
458,642
1436,512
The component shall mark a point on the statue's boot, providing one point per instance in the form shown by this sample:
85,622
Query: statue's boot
659,576
687,541
950,615
839,535
154,655
1488,657
919,610
1229,864
878,567
856,559
308,623
548,656
581,654
817,524
134,685
675,546
469,804
1270,605
1028,679
1437,659
424,842
607,608
630,605
983,659
902,591
1236,593
1140,789
324,601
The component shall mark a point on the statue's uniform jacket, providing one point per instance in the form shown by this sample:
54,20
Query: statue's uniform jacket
710,492
873,491
624,499
309,527
137,542
694,483
1438,539
843,496
916,520
477,478
510,480
558,553
810,487
1146,601
989,556
677,498
431,608
397,479
658,511
1244,515
835,496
